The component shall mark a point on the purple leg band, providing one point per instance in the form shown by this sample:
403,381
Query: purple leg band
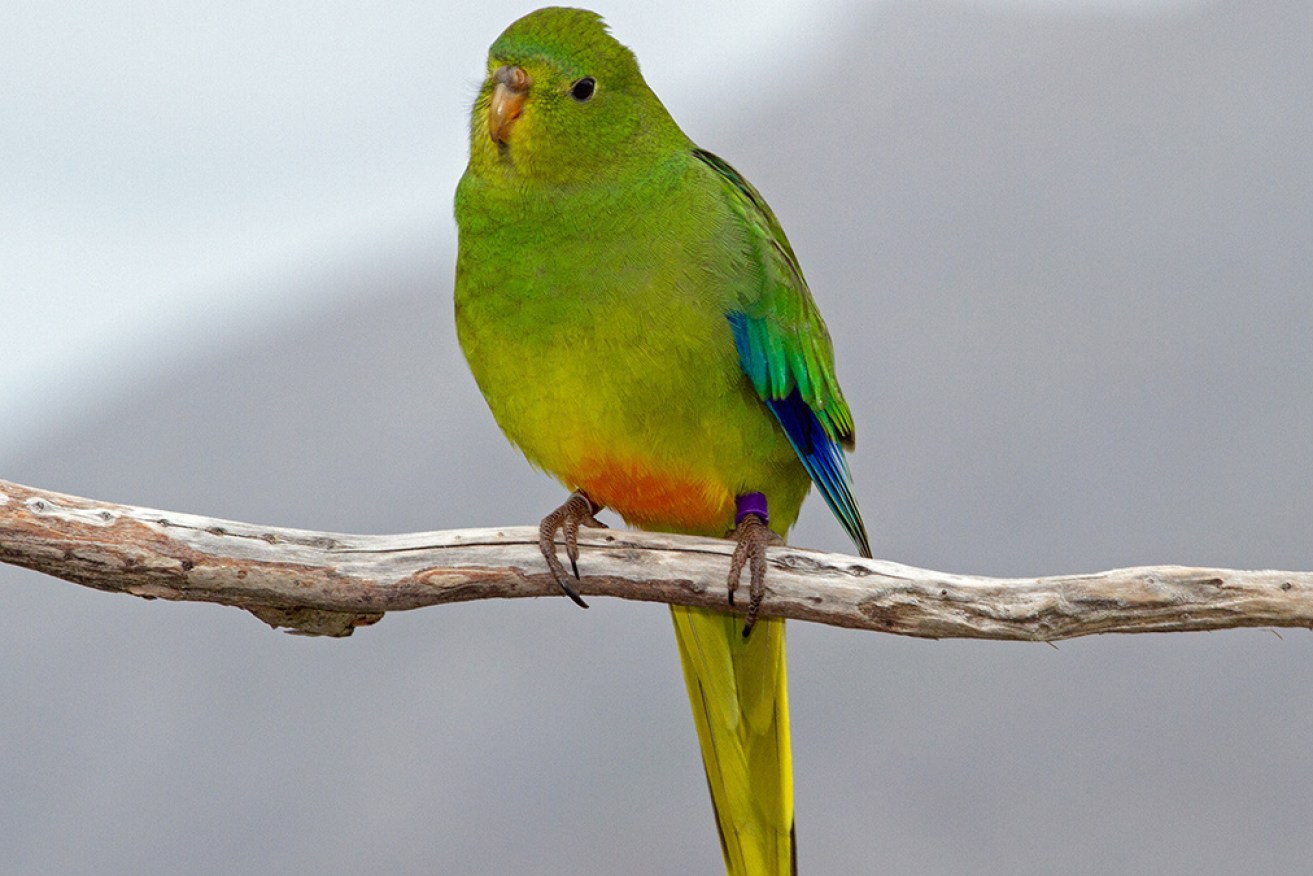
751,503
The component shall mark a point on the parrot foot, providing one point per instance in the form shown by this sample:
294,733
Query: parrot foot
578,510
753,536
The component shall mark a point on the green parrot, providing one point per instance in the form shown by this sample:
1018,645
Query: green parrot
641,330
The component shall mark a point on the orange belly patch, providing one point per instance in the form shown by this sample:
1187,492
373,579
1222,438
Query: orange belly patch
661,500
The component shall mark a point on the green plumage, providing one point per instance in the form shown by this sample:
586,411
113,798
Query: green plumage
638,323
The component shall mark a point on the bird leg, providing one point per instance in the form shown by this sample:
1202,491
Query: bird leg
753,534
578,510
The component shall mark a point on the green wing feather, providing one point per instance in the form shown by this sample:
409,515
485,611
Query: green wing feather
786,353
791,347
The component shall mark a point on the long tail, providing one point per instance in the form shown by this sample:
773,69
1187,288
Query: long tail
740,703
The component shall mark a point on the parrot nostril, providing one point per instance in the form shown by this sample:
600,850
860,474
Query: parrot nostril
513,77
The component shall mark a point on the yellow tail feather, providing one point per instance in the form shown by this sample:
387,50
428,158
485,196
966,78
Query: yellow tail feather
739,692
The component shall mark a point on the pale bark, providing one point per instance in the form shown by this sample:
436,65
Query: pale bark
321,583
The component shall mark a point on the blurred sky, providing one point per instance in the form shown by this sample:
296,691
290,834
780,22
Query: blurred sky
1066,253
169,168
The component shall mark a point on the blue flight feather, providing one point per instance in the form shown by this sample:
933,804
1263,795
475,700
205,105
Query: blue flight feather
825,462
821,455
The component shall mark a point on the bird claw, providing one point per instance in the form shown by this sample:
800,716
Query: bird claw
578,510
753,537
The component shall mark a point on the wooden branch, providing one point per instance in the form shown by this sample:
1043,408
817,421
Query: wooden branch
319,583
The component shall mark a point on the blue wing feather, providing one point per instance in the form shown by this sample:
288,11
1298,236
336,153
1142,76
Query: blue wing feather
825,461
822,456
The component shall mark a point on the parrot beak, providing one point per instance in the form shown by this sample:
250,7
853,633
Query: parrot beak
508,93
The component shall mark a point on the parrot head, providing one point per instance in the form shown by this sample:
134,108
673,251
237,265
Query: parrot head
563,102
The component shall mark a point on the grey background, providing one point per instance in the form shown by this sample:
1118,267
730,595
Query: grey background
1067,262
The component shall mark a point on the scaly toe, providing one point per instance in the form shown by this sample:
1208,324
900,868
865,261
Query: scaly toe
576,511
753,537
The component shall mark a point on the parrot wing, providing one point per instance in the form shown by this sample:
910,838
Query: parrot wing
784,350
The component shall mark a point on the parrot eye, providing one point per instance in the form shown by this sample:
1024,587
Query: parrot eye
583,89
